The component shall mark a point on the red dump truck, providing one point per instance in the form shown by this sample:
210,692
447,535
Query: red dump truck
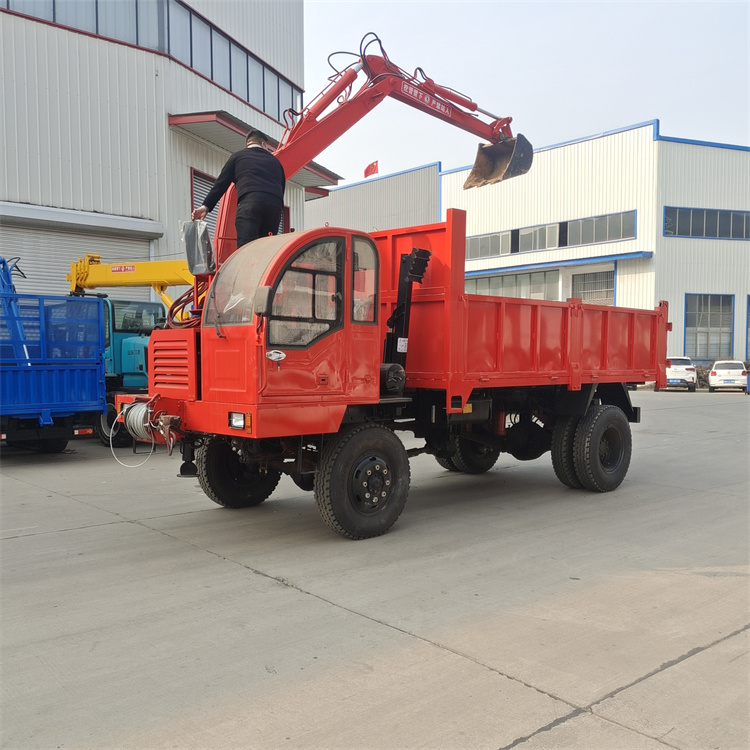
316,346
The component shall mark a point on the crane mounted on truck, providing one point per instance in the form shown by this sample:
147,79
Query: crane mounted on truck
314,347
128,323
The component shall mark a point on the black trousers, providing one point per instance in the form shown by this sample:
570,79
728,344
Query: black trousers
258,215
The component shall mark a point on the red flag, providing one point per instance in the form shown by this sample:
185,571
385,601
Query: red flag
371,169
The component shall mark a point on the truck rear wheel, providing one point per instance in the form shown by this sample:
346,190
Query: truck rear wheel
363,481
563,436
602,448
228,481
474,458
447,463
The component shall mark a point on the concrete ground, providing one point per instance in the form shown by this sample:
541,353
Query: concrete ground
502,611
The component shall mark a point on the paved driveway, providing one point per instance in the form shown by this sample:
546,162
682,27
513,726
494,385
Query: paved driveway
503,610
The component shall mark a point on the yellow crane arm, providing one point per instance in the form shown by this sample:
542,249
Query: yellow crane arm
91,273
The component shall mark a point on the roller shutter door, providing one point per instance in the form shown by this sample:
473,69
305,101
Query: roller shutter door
45,257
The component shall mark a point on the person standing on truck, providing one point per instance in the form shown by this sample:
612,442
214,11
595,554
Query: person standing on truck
260,182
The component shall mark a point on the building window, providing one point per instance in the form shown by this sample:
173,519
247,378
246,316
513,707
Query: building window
220,59
201,185
710,223
708,325
171,27
201,43
596,288
179,32
118,21
239,71
488,245
608,228
538,285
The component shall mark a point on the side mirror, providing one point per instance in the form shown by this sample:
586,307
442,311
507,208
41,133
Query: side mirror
262,301
669,363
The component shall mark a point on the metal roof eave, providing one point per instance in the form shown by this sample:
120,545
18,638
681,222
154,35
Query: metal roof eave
228,133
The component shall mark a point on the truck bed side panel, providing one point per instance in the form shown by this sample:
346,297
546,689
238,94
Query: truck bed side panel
51,356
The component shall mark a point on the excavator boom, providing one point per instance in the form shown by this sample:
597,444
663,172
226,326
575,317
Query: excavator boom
336,109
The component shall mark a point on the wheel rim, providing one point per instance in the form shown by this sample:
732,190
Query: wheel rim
371,485
611,449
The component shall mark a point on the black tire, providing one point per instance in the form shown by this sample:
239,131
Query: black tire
711,389
447,464
107,425
55,445
691,389
229,482
306,482
563,437
602,448
363,481
474,458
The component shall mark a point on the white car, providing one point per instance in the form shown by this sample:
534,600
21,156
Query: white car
681,373
727,373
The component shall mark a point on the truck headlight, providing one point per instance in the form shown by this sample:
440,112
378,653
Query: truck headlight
236,420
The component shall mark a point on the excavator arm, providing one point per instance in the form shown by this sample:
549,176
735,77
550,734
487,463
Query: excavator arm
318,126
91,273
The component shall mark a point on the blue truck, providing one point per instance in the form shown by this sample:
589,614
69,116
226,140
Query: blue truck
52,366
127,327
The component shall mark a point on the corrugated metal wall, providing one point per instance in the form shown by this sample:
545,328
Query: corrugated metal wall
85,123
695,176
405,199
574,181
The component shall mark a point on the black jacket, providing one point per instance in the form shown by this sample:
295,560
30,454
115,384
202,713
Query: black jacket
252,170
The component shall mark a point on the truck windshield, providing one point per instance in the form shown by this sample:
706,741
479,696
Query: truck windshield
230,300
132,316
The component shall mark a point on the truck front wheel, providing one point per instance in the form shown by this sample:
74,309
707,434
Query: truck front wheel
228,481
602,448
363,481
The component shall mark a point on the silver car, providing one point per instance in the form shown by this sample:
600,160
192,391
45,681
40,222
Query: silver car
727,373
681,373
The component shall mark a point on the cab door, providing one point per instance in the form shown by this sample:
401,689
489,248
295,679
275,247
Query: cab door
305,343
322,336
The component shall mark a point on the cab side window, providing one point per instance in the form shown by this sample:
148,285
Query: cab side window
364,281
308,298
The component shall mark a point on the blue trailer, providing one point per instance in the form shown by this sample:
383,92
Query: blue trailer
52,370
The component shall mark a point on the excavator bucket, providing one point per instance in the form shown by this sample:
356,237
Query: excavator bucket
500,161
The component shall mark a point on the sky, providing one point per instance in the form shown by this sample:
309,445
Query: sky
561,70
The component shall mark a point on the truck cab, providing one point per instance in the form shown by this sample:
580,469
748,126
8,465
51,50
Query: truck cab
127,327
291,336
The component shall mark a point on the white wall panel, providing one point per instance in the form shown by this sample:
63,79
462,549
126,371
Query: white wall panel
85,122
697,176
575,181
404,199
